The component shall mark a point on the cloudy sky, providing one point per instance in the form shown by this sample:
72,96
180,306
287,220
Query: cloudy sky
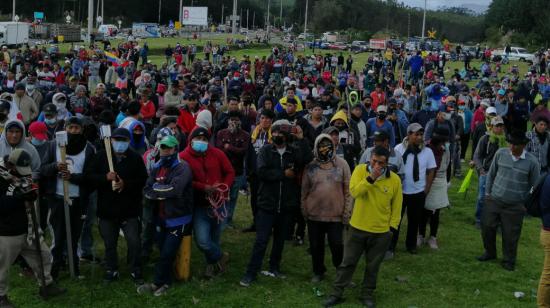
433,4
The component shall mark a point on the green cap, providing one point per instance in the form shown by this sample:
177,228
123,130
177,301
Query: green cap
169,141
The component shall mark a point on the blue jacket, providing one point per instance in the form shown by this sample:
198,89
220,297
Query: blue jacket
372,128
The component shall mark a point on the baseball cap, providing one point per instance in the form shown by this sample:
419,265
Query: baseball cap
49,109
497,120
39,130
21,159
121,133
501,92
381,135
491,110
485,102
382,108
414,127
169,141
450,98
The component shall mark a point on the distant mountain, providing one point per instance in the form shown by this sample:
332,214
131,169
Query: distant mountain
478,8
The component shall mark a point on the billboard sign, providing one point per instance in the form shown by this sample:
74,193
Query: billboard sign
195,16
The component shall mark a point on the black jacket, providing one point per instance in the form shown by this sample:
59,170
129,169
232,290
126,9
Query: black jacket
276,192
114,205
13,218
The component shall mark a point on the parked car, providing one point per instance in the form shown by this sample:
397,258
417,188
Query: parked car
338,46
517,54
305,36
359,46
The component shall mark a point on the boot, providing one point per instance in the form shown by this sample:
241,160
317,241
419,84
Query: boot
51,290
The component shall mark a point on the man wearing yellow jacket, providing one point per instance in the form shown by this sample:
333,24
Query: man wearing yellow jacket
377,209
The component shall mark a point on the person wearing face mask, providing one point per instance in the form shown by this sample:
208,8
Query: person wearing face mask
49,118
539,142
38,137
466,116
25,104
326,203
483,127
292,115
169,188
437,198
32,92
79,155
234,86
212,171
234,142
380,123
278,197
13,137
119,202
442,120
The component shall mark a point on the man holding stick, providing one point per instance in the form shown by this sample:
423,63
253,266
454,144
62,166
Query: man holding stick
17,237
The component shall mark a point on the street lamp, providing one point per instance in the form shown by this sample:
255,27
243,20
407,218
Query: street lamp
68,19
119,24
16,19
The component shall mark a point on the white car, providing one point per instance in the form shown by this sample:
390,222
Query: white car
517,54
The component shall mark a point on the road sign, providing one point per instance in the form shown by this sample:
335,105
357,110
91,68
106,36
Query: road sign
177,25
171,25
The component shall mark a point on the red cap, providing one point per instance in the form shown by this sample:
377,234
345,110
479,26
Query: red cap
237,74
39,130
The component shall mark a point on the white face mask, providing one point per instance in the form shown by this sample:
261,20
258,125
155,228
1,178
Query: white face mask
447,116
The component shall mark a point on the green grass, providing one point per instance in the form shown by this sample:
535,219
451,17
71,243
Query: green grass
449,277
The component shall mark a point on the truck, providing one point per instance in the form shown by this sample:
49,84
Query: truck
14,33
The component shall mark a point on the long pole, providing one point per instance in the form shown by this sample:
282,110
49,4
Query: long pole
281,14
90,19
424,20
13,11
234,18
97,13
181,11
268,5
247,18
305,21
160,6
102,11
223,7
253,20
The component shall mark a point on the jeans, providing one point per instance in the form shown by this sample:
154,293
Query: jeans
357,242
318,231
207,234
57,221
233,196
86,239
543,294
267,223
109,230
480,196
169,241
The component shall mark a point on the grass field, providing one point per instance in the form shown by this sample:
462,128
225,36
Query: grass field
449,277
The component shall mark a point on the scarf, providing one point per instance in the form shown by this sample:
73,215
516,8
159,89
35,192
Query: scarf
256,133
500,140
416,168
542,137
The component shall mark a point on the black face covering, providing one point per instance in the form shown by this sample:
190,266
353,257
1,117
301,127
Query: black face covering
325,151
382,116
76,143
278,140
3,116
340,128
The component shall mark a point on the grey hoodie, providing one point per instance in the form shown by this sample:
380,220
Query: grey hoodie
6,148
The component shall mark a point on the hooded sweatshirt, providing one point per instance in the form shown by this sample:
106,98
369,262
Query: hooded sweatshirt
325,190
6,148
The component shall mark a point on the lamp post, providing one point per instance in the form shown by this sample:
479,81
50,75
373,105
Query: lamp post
424,20
68,19
16,19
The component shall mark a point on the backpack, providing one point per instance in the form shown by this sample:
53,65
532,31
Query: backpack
532,203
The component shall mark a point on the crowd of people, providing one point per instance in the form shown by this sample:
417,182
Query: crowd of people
318,143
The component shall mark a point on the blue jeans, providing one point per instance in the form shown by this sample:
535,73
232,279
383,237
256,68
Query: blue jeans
207,234
480,196
233,196
169,241
86,247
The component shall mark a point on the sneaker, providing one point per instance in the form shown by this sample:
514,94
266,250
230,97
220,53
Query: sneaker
210,271
420,241
110,276
147,288
317,278
49,291
298,241
246,281
274,274
368,301
432,242
90,259
137,278
5,302
389,255
161,290
332,301
222,264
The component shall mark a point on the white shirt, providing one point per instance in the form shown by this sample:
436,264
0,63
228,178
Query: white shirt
75,165
426,160
522,156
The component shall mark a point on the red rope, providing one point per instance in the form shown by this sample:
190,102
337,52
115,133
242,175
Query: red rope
217,202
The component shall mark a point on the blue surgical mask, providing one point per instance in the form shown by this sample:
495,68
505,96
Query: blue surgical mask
120,146
235,78
37,142
447,146
51,121
199,146
462,107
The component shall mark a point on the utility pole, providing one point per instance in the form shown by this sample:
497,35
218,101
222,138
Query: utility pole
13,11
181,11
103,10
409,26
424,20
234,18
247,18
223,7
90,19
97,13
305,22
160,6
267,24
281,14
254,20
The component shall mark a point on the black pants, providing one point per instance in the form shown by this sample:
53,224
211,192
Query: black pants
254,195
57,221
44,209
317,232
357,242
510,218
433,217
464,142
414,205
266,224
109,230
297,225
